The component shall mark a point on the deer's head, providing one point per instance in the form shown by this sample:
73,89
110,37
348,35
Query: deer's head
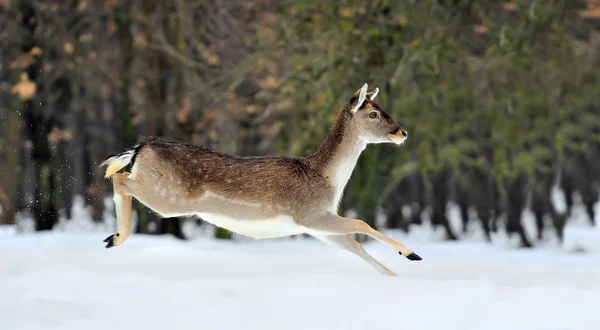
370,122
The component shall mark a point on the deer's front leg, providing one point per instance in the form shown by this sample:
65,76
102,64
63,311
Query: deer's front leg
331,223
347,243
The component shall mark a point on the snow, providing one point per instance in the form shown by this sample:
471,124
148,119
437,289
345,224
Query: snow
67,280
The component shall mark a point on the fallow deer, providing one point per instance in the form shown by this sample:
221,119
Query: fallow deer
259,196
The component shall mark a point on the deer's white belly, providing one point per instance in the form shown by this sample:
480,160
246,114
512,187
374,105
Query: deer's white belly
267,228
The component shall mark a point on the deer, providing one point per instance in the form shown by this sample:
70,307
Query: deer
259,196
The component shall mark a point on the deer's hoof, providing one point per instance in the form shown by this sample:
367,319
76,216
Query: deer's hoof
413,256
110,240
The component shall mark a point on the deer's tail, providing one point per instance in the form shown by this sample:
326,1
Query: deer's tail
116,162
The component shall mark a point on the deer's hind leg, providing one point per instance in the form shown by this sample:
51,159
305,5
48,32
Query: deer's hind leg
122,200
349,244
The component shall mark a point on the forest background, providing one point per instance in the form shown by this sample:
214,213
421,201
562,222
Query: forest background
500,99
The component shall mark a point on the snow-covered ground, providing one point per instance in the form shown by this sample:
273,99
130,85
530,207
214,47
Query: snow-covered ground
68,280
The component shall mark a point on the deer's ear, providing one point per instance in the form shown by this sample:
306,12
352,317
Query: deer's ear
362,95
373,94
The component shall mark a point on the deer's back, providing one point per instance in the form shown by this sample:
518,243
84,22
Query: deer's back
192,171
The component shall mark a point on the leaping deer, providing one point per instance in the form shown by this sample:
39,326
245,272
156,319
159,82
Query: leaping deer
260,197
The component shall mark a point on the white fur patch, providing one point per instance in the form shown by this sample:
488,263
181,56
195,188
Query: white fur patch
133,173
115,163
172,215
344,172
119,211
398,141
267,228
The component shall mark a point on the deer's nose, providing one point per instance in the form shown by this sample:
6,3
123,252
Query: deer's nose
404,132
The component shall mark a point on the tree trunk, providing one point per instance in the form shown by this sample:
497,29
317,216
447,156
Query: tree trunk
44,209
462,199
515,203
123,23
539,206
440,201
11,169
589,197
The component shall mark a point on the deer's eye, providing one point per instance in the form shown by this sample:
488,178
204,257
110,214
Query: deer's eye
373,114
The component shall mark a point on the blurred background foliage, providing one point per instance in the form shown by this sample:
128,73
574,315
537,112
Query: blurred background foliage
500,99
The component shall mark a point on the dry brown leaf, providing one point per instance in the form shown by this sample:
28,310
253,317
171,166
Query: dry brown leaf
4,3
209,54
87,37
140,41
591,11
67,135
402,20
138,119
35,51
54,136
510,6
22,62
269,82
481,29
213,59
183,113
110,3
26,59
251,108
25,89
68,47
82,5
346,12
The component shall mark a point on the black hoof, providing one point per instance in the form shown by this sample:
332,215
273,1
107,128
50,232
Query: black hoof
413,256
110,241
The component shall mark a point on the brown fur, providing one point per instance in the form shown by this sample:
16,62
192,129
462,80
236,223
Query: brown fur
296,194
287,184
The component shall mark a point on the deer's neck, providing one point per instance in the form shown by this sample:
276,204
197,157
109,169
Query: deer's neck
337,156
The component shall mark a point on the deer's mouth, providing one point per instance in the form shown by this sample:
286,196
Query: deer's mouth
398,137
